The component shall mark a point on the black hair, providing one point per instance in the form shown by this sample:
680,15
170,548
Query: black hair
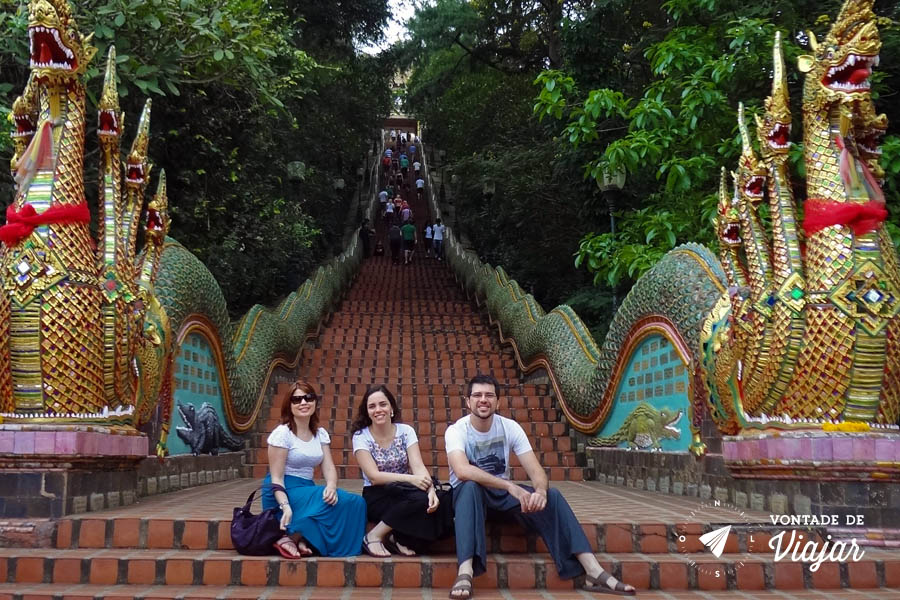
485,379
362,419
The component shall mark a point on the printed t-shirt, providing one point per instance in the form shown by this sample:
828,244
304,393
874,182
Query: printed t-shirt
393,459
303,457
488,451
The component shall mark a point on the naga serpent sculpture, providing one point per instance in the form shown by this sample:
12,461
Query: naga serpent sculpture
89,328
791,327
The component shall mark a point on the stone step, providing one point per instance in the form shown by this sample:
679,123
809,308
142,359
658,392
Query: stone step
142,592
504,571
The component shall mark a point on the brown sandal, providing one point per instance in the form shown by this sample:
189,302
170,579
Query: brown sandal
463,583
600,585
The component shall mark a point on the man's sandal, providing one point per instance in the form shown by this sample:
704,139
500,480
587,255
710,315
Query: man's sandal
603,585
462,584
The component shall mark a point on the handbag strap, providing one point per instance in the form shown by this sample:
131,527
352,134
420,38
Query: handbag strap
275,488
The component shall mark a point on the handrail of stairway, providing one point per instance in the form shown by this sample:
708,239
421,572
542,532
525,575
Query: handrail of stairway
558,341
264,339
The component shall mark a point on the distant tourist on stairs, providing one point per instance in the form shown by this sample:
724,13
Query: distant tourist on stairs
398,490
315,518
365,237
478,447
437,233
395,237
428,238
420,187
409,241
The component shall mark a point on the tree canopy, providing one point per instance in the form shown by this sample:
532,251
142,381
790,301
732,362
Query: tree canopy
646,87
243,88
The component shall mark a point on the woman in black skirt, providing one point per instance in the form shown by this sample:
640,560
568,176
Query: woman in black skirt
398,490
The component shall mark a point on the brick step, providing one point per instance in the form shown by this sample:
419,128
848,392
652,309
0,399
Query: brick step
381,306
505,571
442,473
239,592
400,322
439,345
400,363
508,392
417,353
396,378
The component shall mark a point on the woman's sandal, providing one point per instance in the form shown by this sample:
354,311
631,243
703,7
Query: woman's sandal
392,545
289,549
366,547
463,583
601,585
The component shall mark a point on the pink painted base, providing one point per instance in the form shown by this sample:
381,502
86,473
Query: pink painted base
71,441
815,452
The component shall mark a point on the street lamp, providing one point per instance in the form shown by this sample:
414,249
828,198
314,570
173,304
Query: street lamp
611,184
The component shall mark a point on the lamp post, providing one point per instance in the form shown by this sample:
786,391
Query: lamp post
611,185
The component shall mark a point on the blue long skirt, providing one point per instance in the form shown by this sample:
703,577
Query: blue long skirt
331,530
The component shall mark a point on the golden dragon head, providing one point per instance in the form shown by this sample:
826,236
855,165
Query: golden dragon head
137,169
729,217
868,130
24,117
842,62
110,120
158,213
58,52
774,128
751,172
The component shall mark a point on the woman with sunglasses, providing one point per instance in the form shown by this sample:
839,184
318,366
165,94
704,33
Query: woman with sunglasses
321,518
398,490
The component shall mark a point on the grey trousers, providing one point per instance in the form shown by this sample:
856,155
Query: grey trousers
473,504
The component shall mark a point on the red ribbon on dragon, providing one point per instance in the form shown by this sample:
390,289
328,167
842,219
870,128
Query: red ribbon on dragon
20,224
863,217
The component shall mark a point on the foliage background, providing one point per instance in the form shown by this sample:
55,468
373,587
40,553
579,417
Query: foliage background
650,87
240,88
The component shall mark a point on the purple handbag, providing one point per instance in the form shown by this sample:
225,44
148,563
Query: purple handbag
255,535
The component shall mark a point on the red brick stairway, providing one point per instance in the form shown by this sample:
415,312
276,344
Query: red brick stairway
412,328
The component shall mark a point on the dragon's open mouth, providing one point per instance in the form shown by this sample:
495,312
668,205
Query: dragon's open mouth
109,124
870,141
780,136
135,173
732,233
24,126
48,51
852,75
154,221
670,426
755,186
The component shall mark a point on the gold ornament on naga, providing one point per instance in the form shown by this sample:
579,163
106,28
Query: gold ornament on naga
79,325
819,344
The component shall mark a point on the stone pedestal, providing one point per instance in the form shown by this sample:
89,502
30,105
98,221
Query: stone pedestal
54,469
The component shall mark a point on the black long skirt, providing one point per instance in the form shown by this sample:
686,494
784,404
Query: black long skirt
403,509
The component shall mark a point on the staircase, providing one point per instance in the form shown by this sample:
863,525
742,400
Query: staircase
411,328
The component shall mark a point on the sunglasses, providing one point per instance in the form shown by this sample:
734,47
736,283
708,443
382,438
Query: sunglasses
305,398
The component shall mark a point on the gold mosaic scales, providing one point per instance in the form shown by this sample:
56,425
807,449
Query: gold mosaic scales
831,315
70,321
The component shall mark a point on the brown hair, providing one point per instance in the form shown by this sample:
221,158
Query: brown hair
287,417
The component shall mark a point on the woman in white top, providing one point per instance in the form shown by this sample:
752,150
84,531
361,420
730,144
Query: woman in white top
321,518
397,487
